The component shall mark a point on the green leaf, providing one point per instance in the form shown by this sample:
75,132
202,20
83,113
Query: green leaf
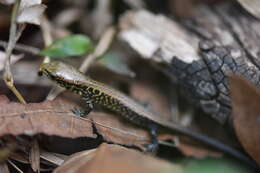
113,62
74,45
211,165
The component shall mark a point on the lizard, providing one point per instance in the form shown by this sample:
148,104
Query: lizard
97,93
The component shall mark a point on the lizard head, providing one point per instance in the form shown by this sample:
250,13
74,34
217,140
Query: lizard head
59,71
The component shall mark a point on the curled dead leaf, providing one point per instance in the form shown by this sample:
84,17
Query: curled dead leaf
76,160
116,159
246,115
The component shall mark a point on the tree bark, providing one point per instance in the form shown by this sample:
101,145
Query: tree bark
200,52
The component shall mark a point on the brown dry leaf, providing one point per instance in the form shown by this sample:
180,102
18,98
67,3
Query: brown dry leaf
55,118
49,117
246,114
117,159
114,128
76,160
34,156
252,6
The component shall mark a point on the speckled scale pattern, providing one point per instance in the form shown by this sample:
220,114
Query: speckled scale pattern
98,97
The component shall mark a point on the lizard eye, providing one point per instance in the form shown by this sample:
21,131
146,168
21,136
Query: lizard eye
40,73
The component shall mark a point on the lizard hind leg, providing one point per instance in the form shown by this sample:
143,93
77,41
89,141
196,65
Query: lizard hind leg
84,112
153,146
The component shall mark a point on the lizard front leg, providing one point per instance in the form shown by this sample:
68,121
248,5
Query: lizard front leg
84,112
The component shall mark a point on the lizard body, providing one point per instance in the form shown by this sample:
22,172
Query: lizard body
99,94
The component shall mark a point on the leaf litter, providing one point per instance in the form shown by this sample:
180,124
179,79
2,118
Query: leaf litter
55,117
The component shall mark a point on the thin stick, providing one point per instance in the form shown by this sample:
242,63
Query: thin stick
16,167
101,48
13,37
21,47
47,37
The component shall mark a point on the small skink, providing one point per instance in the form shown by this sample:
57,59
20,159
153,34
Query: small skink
96,93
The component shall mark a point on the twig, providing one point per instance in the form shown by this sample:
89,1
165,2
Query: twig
47,37
16,167
101,48
23,48
13,37
19,31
